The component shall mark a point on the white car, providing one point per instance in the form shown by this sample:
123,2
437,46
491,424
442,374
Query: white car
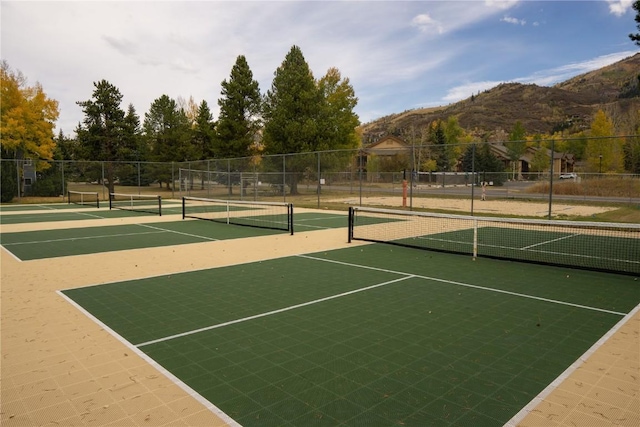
570,175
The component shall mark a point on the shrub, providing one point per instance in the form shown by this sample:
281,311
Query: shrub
8,186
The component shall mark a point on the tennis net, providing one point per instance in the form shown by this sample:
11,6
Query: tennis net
148,203
85,198
278,216
587,245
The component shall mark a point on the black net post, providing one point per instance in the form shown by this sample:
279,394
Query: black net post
350,227
290,216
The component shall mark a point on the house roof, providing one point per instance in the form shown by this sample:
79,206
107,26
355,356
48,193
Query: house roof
388,145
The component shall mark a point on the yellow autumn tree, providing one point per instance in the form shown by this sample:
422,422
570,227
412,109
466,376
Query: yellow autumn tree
604,153
27,119
190,109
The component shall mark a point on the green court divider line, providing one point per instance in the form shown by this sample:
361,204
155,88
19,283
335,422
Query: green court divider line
467,285
269,313
177,381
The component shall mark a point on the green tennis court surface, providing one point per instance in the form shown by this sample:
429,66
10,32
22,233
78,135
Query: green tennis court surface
61,212
31,245
373,335
34,207
68,216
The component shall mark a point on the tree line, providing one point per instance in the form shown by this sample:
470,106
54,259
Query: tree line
298,114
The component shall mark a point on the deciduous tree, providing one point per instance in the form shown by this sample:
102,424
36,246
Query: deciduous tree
27,119
337,124
632,150
516,146
604,153
454,135
338,121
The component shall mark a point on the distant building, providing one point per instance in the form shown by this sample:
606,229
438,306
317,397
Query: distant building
28,176
394,146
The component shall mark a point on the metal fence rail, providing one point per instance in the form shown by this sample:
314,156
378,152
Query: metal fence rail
327,178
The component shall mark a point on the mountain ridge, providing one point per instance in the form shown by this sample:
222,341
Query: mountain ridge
568,106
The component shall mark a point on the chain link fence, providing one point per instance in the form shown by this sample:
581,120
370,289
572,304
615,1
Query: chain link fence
395,177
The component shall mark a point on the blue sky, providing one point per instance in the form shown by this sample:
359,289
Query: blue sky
398,55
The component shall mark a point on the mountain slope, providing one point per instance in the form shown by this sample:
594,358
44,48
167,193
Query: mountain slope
569,105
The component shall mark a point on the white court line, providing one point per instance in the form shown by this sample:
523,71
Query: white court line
84,238
549,241
47,207
467,285
311,226
269,313
321,219
574,255
91,215
517,418
19,218
12,254
178,232
191,392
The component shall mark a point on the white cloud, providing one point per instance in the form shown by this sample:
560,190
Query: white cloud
465,90
567,71
619,7
515,21
501,4
426,23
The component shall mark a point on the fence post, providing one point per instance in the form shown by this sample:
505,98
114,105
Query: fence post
473,174
173,182
319,187
284,177
63,183
102,181
230,189
208,178
551,179
360,173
